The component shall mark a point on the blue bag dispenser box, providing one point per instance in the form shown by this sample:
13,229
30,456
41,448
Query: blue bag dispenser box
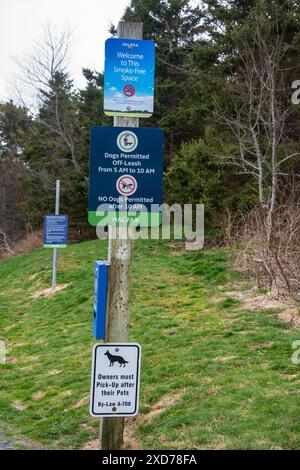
100,296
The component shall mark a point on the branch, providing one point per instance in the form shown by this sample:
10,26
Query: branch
287,158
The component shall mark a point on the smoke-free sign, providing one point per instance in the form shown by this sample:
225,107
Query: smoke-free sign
129,77
115,379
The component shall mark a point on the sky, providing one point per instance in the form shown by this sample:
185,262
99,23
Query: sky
22,22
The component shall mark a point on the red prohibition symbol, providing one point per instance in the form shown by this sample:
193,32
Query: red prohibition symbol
126,185
129,90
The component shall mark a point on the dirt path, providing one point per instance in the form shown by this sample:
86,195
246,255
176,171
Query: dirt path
14,444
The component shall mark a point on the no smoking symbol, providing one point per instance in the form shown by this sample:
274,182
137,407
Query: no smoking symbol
129,90
126,185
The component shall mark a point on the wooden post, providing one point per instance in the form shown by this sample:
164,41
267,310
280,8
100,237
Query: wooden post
119,282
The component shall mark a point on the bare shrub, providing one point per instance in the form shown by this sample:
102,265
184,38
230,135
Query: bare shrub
31,241
5,248
270,252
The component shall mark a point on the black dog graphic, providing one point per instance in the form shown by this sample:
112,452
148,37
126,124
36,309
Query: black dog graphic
113,359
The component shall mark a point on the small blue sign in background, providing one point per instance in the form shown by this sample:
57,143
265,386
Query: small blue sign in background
129,77
55,231
117,171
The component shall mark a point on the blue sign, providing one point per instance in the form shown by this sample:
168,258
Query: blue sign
100,296
129,77
55,231
126,172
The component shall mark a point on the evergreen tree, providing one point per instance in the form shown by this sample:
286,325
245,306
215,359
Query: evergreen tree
173,25
15,128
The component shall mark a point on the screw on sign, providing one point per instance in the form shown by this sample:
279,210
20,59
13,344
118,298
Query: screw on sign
126,185
129,90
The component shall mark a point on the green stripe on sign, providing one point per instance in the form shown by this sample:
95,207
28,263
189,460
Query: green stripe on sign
121,219
115,113
55,246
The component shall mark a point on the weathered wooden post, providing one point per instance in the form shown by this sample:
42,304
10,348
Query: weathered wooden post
119,284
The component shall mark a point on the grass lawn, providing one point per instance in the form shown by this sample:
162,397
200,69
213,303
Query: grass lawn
225,372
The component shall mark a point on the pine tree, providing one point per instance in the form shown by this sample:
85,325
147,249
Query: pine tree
173,25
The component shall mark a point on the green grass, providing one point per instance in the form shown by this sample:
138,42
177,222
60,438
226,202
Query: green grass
231,368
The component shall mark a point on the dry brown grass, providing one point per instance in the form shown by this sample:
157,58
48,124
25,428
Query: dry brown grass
31,241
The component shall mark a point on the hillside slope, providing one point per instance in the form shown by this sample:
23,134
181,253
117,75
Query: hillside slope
215,374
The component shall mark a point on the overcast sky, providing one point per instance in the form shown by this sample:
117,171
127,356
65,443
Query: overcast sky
22,21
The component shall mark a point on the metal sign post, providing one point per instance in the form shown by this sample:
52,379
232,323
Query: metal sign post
57,196
119,280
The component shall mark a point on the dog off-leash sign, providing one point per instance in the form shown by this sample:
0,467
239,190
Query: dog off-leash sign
115,379
126,171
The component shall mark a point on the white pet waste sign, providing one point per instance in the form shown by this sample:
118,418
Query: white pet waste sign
115,379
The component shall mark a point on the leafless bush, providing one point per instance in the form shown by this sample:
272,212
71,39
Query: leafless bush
270,251
5,248
29,242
